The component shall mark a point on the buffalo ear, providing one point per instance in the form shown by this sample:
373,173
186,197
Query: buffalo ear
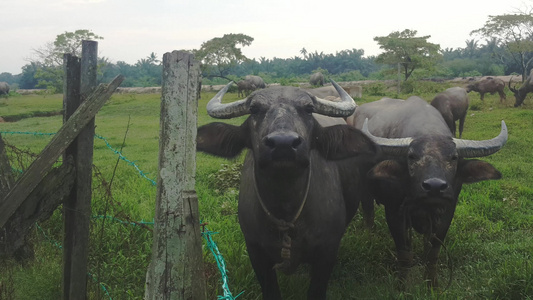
388,182
473,170
221,139
388,170
343,141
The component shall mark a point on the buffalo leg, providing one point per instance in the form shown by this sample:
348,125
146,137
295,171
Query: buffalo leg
482,96
502,96
321,270
461,125
398,229
264,273
367,205
432,248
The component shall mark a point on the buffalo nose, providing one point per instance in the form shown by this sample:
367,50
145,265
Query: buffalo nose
283,140
434,185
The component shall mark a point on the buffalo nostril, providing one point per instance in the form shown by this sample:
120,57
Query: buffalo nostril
434,185
283,140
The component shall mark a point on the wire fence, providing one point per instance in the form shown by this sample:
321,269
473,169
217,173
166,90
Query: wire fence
206,234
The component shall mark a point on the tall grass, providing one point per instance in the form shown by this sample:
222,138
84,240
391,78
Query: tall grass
488,249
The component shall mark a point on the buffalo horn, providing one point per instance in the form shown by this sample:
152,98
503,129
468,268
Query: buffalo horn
510,88
470,148
391,146
344,108
216,109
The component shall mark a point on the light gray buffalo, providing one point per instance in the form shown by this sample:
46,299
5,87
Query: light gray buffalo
316,79
300,182
4,88
256,80
245,87
488,85
421,173
453,106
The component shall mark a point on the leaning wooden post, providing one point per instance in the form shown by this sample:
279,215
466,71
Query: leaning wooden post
77,208
176,270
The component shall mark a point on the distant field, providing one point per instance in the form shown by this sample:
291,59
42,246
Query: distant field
489,247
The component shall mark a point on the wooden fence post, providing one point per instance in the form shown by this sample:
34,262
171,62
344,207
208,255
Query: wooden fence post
80,81
176,270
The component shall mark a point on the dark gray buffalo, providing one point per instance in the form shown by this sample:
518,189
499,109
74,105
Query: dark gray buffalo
297,191
316,79
421,174
488,85
4,88
521,93
452,105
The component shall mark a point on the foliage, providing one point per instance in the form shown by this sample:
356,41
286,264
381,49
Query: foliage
515,32
408,51
220,54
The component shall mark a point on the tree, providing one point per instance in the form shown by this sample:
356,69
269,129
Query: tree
515,33
407,50
219,55
49,58
51,54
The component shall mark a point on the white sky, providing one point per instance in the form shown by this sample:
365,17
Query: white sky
132,29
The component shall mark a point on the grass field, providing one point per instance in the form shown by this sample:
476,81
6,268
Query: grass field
489,247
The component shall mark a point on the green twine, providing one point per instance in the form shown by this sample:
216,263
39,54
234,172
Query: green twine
221,265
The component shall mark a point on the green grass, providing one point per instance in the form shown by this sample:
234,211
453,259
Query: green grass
489,247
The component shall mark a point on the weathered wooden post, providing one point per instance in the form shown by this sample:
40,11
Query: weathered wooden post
176,270
80,81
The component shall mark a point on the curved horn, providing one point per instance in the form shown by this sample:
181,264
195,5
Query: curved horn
510,88
469,148
229,110
344,108
394,146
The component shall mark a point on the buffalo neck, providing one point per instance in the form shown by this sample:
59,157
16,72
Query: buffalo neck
282,196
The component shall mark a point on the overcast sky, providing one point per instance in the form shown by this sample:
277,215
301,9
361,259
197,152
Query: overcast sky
132,29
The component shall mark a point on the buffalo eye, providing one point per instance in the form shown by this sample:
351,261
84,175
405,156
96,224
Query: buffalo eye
254,109
412,156
310,108
454,157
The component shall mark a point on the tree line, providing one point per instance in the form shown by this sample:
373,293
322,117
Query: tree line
503,46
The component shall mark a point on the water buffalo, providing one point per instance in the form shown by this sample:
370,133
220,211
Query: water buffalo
421,174
316,79
453,105
245,87
521,93
4,88
488,85
256,80
297,191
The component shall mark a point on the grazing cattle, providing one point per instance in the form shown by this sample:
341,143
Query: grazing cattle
245,87
488,85
4,88
297,191
421,174
316,79
256,80
452,105
521,93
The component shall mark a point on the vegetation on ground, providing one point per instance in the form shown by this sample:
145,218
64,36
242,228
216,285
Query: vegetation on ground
487,255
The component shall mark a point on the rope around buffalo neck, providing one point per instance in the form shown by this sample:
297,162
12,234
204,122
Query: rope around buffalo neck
282,225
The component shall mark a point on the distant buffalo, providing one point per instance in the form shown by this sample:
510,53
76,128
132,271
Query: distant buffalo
256,80
488,85
4,88
521,93
245,87
317,79
453,105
